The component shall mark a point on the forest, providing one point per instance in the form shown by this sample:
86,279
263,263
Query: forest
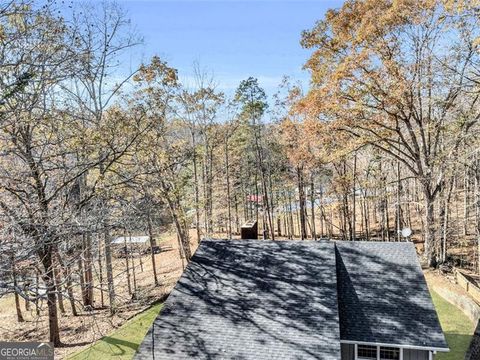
385,137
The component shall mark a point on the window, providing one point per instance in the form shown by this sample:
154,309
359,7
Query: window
367,352
388,353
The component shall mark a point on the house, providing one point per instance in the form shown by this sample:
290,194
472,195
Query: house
260,299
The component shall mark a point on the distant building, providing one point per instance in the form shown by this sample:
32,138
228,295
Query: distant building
254,299
123,245
139,240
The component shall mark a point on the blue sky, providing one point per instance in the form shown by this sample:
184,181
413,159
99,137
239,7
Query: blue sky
230,39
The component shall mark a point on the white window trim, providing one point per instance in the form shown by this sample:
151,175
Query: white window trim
378,352
409,347
356,352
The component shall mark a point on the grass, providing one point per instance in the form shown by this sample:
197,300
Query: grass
124,341
457,327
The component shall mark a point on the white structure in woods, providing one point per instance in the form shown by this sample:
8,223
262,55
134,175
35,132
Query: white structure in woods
138,240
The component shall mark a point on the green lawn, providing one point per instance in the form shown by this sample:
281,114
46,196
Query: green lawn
122,343
457,327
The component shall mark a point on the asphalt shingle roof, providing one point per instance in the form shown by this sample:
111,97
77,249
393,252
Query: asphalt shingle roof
251,300
383,296
259,300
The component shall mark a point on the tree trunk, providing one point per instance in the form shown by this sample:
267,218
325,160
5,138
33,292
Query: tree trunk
58,282
48,278
37,290
322,215
176,212
127,264
301,203
100,272
82,281
15,286
210,192
152,253
229,205
108,265
292,227
367,217
197,191
354,198
477,206
466,212
68,277
237,219
273,201
312,204
387,217
429,252
444,219
205,194
27,301
88,300
399,207
132,258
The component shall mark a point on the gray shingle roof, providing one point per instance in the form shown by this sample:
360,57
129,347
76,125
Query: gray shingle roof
251,300
260,300
383,296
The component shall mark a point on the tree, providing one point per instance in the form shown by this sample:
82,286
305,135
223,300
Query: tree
383,74
199,107
101,34
38,59
41,142
157,88
252,100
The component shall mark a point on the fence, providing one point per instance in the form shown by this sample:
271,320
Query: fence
472,289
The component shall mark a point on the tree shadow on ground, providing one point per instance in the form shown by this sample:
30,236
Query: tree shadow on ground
118,343
81,343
